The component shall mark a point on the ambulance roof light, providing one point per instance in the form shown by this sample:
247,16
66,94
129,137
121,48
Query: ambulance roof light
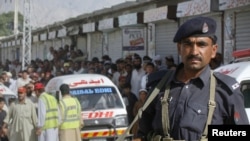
241,53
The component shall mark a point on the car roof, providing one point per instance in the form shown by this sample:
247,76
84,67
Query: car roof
77,81
239,70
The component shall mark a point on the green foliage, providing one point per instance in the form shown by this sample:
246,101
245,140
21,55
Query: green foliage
7,23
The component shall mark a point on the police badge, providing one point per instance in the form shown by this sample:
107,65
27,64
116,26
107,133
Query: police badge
205,28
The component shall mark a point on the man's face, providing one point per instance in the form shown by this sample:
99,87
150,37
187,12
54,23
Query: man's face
149,69
1,104
196,52
37,93
21,96
25,75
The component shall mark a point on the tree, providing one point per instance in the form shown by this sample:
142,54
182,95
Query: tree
7,23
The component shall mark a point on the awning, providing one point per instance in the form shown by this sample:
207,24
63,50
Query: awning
161,13
73,30
108,24
52,35
35,38
228,4
196,7
89,27
130,19
62,32
43,36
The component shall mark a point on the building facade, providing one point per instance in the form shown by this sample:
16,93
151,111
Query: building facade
143,27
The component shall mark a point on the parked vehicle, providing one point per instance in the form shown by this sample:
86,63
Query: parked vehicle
103,109
240,69
7,93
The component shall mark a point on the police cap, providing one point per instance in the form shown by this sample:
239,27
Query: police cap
197,27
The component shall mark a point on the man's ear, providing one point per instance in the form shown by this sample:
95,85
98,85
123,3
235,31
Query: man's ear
214,50
179,48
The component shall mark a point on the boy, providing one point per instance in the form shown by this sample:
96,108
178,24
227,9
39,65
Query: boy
2,116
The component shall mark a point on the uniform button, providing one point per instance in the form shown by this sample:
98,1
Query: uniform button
187,86
199,111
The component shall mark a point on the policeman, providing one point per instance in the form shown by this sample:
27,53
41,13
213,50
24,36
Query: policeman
72,121
189,90
48,115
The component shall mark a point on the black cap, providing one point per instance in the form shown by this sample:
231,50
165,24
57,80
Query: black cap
169,58
199,26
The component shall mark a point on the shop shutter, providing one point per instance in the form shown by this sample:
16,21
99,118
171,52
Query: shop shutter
242,30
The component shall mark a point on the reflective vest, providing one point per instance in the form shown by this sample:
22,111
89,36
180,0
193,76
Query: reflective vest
71,110
51,118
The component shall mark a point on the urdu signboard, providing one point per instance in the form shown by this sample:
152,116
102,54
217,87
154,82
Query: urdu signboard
228,4
195,7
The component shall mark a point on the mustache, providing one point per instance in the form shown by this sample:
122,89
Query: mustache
193,57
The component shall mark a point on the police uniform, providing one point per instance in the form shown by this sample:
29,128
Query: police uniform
188,102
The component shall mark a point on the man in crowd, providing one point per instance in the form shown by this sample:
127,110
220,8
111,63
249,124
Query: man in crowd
48,115
72,121
22,118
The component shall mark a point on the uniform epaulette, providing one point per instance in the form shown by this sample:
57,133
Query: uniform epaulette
226,81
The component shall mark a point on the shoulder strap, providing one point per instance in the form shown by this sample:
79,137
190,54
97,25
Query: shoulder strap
211,105
151,97
164,109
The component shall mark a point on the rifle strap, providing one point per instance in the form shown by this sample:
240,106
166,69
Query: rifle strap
211,104
151,97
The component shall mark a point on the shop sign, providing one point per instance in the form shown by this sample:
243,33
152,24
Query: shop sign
133,39
195,7
228,4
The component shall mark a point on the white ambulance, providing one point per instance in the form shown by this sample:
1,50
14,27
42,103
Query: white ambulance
240,69
7,93
103,109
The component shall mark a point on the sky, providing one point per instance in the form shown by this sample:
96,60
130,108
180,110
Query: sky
45,12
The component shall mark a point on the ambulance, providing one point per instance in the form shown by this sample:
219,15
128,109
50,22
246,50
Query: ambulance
103,108
240,70
7,94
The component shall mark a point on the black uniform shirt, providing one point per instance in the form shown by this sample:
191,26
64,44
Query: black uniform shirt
188,106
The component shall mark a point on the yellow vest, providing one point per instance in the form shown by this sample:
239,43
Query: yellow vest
51,118
71,110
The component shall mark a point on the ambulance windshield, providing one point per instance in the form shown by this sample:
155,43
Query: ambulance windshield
97,97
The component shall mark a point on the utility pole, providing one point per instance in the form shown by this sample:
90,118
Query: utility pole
16,18
26,49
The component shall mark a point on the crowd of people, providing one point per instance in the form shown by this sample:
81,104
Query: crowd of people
128,74
45,119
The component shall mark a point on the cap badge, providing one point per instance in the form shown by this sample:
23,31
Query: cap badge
205,28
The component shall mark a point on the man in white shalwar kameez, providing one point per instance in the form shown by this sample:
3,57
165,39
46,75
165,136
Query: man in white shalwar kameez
21,119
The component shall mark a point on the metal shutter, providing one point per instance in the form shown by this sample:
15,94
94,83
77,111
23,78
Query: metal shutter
82,44
96,45
67,41
115,45
242,30
164,40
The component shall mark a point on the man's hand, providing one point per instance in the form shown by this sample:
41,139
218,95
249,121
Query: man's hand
137,139
38,131
5,131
